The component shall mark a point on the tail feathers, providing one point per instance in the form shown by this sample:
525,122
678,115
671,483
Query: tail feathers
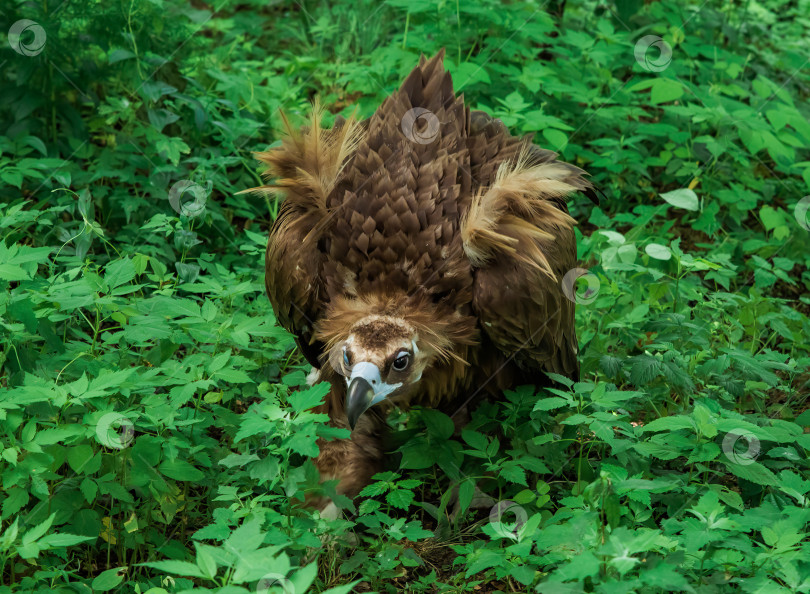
428,85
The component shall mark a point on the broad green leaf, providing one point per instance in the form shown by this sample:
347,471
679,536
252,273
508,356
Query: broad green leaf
550,403
683,198
119,272
180,470
754,472
556,138
63,539
672,423
107,580
400,498
38,531
658,251
665,90
182,568
308,398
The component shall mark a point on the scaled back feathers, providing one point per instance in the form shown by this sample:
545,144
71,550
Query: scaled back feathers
425,202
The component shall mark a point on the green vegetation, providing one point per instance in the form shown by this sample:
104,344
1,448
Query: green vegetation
153,429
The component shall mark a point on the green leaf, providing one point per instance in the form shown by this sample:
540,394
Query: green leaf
107,580
63,539
12,177
665,90
118,55
580,566
180,470
119,272
513,473
302,579
438,424
644,370
610,365
10,534
374,489
476,440
310,397
417,454
179,567
484,559
400,498
10,272
368,506
754,472
79,456
469,73
466,490
38,530
672,423
557,140
550,403
206,561
683,198
732,498
772,218
658,251
234,376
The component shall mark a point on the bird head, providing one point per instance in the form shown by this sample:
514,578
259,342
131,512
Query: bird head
379,359
382,347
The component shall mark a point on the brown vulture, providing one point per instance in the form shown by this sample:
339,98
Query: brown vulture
417,259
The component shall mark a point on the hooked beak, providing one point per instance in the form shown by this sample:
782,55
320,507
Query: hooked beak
365,390
358,399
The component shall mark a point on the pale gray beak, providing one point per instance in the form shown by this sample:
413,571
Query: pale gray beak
366,389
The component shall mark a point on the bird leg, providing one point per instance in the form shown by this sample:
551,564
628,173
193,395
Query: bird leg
352,461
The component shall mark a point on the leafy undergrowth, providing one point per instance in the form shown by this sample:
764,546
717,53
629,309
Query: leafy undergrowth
155,423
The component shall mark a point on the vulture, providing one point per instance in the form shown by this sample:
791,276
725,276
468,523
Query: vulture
417,258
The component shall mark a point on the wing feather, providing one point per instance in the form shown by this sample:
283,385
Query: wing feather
307,166
519,237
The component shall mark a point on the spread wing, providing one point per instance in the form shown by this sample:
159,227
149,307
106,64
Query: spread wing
520,239
292,279
307,166
371,207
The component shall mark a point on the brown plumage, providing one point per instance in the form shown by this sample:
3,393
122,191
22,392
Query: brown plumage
417,258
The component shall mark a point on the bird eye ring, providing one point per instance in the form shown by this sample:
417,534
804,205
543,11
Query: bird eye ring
401,362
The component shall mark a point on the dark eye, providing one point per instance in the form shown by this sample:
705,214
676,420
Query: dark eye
346,359
401,362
